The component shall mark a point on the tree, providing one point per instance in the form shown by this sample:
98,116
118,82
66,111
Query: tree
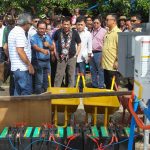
124,7
121,7
39,6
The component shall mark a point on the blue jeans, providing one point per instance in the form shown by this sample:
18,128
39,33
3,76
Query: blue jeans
2,55
23,83
96,71
41,76
80,68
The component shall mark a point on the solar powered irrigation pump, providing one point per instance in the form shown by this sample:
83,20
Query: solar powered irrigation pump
141,88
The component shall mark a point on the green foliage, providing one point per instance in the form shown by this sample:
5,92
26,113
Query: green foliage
142,7
124,7
40,6
121,7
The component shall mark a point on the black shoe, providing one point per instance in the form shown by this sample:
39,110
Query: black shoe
2,89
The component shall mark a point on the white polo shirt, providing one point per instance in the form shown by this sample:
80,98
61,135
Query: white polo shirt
86,46
17,38
32,31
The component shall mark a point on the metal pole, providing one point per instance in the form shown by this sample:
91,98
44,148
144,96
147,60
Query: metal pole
132,127
147,132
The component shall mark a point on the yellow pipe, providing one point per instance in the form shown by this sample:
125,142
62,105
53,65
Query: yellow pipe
113,83
78,80
83,80
95,115
66,117
55,116
49,80
106,116
140,89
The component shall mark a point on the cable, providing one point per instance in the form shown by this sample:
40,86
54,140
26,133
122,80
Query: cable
119,142
12,146
47,141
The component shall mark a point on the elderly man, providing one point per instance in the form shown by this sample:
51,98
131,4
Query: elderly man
110,50
20,55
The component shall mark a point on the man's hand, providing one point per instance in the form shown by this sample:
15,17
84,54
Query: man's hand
46,44
115,66
45,51
31,69
53,57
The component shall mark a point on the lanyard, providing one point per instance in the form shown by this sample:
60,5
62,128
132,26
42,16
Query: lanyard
94,35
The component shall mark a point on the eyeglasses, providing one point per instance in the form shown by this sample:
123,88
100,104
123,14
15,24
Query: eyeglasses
133,20
96,23
36,21
109,19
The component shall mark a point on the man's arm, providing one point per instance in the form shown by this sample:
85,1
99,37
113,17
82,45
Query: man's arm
78,41
89,44
25,59
78,49
38,49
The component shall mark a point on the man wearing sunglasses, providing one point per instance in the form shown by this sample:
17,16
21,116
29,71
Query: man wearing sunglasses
136,21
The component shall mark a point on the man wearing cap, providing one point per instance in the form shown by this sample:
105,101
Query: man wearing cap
122,23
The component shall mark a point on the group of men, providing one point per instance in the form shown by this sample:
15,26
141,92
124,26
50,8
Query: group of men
32,51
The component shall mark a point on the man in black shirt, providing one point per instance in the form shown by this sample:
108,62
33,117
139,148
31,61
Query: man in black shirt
68,47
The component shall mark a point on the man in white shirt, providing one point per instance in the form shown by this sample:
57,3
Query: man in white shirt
2,54
20,56
33,29
86,45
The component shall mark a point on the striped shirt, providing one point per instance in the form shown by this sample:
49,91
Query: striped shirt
17,38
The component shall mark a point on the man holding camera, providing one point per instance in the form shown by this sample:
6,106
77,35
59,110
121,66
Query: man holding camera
67,52
41,46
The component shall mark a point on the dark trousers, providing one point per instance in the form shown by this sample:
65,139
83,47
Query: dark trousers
70,65
11,84
2,55
108,75
53,71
